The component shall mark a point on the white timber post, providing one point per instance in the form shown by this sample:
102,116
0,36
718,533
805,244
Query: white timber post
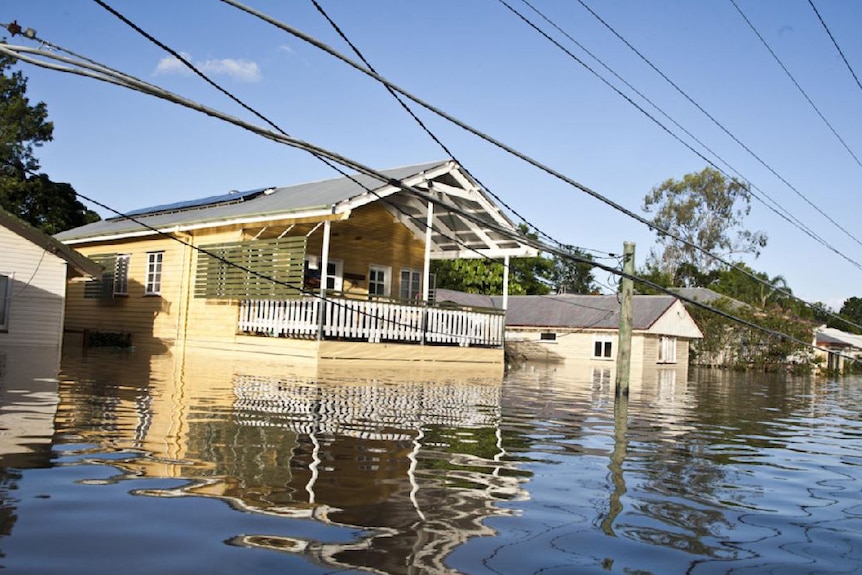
426,272
506,283
324,267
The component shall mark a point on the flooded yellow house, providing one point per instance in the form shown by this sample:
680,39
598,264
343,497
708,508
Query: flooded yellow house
328,271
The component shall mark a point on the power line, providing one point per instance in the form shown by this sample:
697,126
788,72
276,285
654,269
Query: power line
813,106
835,43
604,199
95,71
790,218
712,118
88,69
573,56
425,127
269,122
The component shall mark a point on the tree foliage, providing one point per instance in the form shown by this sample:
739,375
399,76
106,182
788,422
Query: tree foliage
50,206
527,276
851,310
571,276
754,288
704,209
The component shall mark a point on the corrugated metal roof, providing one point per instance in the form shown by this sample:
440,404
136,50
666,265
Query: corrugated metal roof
831,335
283,200
567,310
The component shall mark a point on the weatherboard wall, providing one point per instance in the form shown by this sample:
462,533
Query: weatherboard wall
137,313
36,292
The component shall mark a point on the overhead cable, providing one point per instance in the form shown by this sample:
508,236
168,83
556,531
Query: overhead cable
543,167
428,131
718,124
87,69
835,43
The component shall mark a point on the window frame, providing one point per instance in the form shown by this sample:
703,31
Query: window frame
606,352
121,274
8,279
667,349
409,294
385,284
153,285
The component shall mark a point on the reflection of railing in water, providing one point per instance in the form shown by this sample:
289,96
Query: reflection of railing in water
408,425
365,410
371,321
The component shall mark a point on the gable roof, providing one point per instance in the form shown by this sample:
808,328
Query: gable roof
35,236
569,311
444,183
837,338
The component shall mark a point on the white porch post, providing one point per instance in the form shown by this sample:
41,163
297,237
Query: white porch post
506,282
324,266
426,272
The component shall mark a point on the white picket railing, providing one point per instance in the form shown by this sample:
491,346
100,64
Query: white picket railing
372,321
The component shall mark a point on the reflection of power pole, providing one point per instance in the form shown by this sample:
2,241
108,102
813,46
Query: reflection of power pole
618,458
624,353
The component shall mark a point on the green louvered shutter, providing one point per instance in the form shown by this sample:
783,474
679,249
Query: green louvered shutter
254,269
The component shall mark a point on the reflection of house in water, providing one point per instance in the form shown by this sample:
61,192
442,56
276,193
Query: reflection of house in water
28,402
420,465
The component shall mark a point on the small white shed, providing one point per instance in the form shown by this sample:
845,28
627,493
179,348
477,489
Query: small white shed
34,268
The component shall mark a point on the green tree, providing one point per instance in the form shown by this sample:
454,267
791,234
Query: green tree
851,310
654,275
754,288
527,276
571,276
704,209
50,206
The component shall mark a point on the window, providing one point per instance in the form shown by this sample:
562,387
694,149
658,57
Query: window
154,273
411,284
378,280
548,336
5,300
603,347
667,349
334,273
121,275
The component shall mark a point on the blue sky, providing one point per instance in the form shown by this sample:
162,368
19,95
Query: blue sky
479,62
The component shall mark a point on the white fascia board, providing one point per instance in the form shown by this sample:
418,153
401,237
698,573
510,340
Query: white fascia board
323,214
387,190
521,252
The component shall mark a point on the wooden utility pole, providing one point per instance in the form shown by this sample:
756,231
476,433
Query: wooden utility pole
624,353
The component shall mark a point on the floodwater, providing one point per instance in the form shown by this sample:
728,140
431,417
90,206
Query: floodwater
166,462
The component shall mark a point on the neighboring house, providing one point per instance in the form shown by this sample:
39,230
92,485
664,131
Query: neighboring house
836,347
201,272
34,268
584,329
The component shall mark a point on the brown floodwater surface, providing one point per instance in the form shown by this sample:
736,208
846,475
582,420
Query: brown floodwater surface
188,462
